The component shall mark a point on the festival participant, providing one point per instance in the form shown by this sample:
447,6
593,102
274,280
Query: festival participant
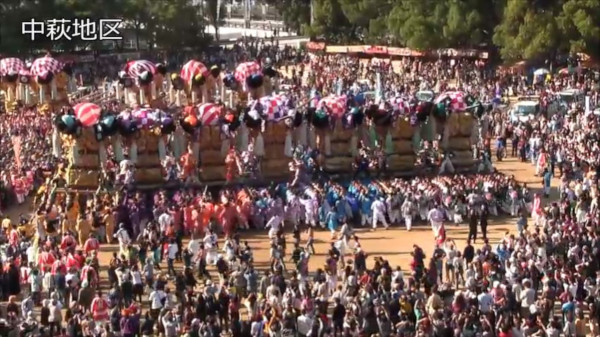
436,219
379,210
408,211
46,258
188,166
99,308
91,245
274,225
123,237
68,241
83,228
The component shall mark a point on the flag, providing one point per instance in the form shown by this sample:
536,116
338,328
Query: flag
16,140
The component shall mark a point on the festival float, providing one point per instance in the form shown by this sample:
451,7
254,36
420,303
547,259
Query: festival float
276,117
141,82
82,145
210,130
51,80
397,139
455,114
334,132
10,68
196,82
142,139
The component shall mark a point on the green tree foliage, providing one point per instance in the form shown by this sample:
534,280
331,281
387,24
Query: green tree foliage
295,13
529,29
579,21
368,18
330,22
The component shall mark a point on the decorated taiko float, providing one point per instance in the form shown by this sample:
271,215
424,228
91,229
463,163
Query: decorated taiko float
142,139
397,138
210,130
453,116
82,146
197,83
333,132
51,80
275,119
141,82
10,68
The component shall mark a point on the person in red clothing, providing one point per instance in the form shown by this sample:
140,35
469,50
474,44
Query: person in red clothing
13,236
46,259
231,165
99,308
67,242
228,217
91,244
57,266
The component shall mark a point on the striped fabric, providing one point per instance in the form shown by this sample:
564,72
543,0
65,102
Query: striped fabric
191,69
209,113
136,68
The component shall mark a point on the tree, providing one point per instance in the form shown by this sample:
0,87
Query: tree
417,24
215,11
579,21
330,22
295,13
367,17
529,30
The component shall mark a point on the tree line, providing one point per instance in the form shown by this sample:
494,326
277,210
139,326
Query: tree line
513,29
510,29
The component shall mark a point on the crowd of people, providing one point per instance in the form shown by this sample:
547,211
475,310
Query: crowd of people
55,283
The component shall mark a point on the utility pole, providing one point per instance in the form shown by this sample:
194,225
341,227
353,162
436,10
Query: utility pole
312,12
247,13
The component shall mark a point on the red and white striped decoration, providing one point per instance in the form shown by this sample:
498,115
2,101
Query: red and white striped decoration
209,113
44,65
87,113
400,105
191,69
457,100
335,103
11,66
243,70
135,68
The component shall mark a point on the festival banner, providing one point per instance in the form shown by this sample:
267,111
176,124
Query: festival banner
395,51
356,49
337,49
399,51
375,49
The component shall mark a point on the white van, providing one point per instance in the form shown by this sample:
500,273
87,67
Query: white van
524,111
570,96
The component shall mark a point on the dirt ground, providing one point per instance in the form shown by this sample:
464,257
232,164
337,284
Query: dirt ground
394,245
